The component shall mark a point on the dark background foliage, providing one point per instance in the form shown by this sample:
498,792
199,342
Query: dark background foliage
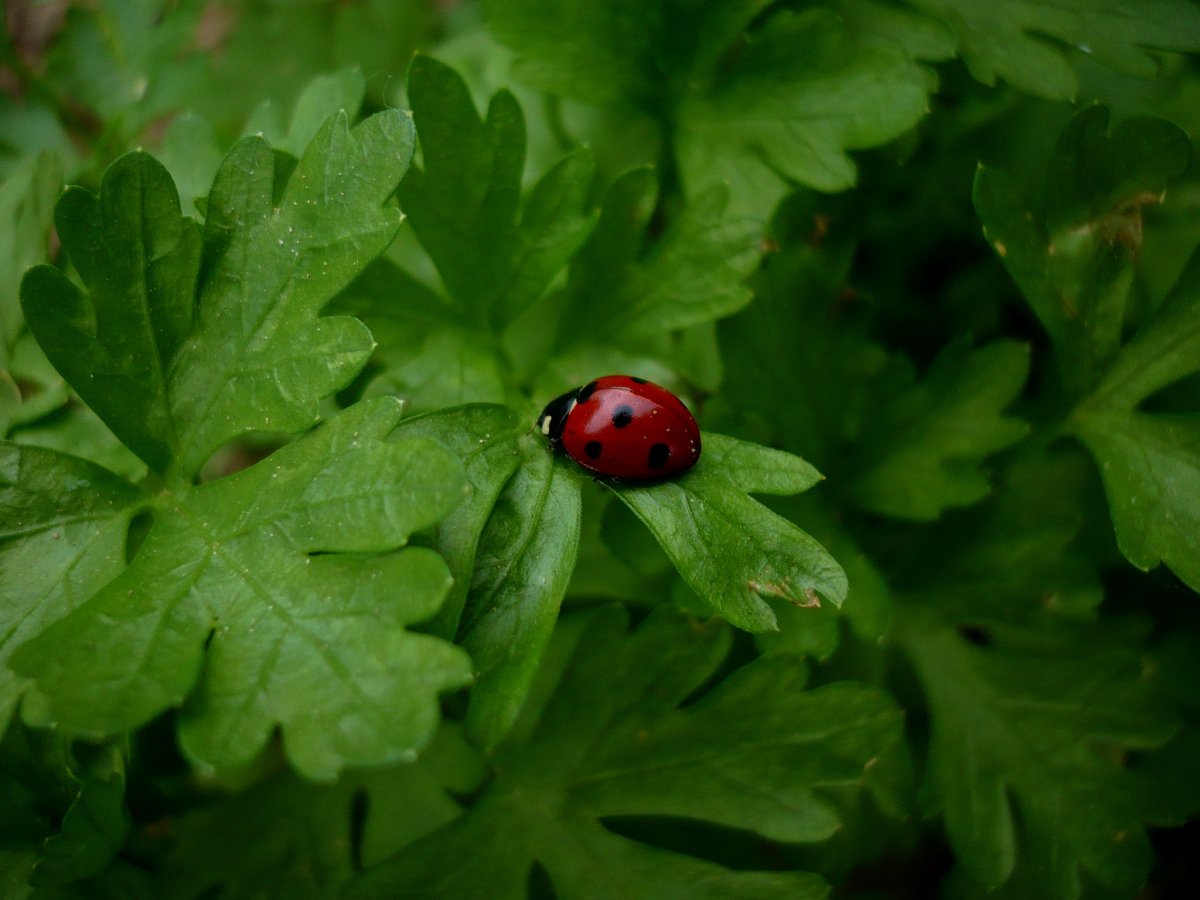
925,271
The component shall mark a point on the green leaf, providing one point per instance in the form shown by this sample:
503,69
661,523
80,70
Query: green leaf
115,342
286,838
191,154
757,752
171,374
924,445
129,62
525,558
484,438
465,203
448,367
623,283
257,601
1022,42
270,268
730,549
1029,729
1149,462
27,198
323,97
63,523
757,105
1072,249
1151,467
94,827
804,92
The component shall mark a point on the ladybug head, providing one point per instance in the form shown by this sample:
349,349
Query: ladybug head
554,416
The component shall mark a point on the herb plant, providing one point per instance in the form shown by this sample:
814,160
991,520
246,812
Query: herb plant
295,602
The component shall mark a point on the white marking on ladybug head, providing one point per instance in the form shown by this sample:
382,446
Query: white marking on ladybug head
544,425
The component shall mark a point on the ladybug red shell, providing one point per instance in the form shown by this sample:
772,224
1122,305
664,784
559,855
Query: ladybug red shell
625,427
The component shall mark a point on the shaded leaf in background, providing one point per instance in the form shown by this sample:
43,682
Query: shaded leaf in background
1029,729
290,839
757,752
1072,249
27,197
1076,270
757,107
923,447
1150,463
1023,42
465,200
729,548
625,283
227,607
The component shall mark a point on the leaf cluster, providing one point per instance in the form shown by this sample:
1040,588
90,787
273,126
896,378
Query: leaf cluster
288,580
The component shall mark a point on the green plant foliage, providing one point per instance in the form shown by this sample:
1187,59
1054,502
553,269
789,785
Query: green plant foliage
297,601
612,741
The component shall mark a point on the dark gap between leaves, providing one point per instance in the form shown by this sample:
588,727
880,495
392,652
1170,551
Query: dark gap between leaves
733,848
540,885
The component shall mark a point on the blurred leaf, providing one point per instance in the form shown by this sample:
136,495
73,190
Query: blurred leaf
27,198
1022,42
803,93
323,97
1029,729
757,752
923,446
1072,250
465,202
624,284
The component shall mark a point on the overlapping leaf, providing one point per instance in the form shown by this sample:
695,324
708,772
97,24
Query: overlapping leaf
226,607
1021,41
1029,728
729,548
167,362
465,201
63,525
1072,249
1075,266
756,107
623,284
921,451
758,752
1151,463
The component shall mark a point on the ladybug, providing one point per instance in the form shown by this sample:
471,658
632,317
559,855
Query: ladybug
625,427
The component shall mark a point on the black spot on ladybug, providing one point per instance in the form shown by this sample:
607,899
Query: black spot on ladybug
658,456
622,416
637,380
592,449
586,392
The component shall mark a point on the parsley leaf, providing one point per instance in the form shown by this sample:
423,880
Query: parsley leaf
756,752
729,548
922,447
1071,249
465,201
226,607
64,529
1028,732
166,351
1021,41
624,284
1150,462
